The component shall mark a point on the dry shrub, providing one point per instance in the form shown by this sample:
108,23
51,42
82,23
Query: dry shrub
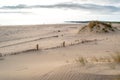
116,57
113,60
92,24
81,60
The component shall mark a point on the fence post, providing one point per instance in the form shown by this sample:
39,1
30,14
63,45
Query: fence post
64,44
37,47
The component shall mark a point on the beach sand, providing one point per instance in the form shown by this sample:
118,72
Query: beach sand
59,45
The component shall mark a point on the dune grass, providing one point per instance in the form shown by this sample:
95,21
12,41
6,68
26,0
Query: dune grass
98,27
81,60
116,57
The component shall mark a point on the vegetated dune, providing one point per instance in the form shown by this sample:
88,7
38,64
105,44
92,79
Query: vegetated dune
80,72
98,27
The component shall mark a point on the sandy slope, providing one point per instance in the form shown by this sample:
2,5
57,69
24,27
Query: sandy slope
80,72
33,64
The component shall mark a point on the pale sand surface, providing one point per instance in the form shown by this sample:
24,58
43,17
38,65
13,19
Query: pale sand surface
80,72
51,63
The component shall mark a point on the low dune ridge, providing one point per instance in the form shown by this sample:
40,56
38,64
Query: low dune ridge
80,72
98,27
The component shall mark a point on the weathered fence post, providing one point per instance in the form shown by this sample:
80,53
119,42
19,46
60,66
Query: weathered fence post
64,44
37,47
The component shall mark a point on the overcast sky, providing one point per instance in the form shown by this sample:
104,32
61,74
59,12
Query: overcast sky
96,6
29,2
66,9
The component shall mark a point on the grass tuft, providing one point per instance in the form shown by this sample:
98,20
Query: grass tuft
81,60
116,57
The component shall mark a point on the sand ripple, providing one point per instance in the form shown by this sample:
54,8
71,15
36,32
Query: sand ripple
74,72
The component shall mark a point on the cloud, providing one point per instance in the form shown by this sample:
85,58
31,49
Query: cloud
21,12
99,1
20,6
101,9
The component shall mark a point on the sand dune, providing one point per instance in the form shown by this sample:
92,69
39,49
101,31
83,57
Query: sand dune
98,27
53,61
